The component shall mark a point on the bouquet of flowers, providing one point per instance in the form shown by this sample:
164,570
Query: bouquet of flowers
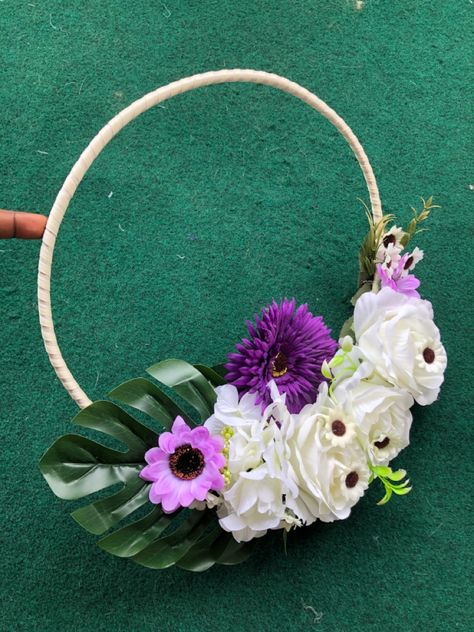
292,429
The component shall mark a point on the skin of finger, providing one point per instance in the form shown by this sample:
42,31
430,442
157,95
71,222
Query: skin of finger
21,225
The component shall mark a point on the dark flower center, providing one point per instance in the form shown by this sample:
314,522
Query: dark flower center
382,444
279,364
352,479
389,239
428,355
408,263
338,427
186,462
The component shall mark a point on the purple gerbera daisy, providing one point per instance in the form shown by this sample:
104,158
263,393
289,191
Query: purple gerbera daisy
287,345
185,466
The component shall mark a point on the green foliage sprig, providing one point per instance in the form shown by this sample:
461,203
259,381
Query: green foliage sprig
341,357
370,246
389,478
373,241
418,218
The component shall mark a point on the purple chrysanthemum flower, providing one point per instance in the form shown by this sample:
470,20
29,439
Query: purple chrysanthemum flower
184,467
287,345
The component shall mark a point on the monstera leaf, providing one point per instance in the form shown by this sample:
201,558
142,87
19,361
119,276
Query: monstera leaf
189,383
76,466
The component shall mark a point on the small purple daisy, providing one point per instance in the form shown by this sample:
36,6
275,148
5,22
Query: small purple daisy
184,467
399,279
287,345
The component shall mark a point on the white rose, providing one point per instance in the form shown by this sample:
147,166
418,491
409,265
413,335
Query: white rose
396,333
382,417
331,475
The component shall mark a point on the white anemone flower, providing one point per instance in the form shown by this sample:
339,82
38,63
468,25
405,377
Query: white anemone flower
336,420
382,417
331,477
413,258
391,244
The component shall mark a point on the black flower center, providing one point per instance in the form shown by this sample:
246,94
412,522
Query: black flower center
338,427
428,355
352,479
382,444
186,462
279,364
389,239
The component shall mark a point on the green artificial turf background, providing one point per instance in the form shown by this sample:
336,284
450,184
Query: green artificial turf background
196,215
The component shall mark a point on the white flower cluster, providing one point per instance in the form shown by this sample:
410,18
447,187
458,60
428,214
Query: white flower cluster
286,470
390,249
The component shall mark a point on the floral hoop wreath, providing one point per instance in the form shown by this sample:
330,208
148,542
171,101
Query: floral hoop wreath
292,429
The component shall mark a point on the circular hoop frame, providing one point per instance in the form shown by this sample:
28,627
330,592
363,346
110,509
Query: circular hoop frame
105,136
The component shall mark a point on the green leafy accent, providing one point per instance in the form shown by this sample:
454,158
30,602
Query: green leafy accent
337,360
104,514
235,552
219,369
326,371
201,555
365,287
150,399
168,549
418,218
215,378
216,547
130,540
188,382
342,356
76,466
389,478
370,246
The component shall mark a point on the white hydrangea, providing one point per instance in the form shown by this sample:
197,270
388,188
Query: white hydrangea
231,411
261,490
396,333
253,504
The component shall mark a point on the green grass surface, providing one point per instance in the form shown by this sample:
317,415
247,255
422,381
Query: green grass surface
195,216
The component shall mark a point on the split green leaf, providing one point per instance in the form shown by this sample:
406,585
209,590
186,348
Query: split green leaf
78,466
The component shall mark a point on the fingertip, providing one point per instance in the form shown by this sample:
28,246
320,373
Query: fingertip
20,225
30,225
